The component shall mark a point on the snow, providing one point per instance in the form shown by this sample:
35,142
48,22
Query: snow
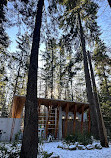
95,153
63,153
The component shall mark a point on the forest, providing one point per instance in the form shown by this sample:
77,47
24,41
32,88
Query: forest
55,49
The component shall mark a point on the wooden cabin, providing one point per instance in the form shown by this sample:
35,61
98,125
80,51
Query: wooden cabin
57,117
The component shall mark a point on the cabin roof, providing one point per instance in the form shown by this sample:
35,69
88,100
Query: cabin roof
57,102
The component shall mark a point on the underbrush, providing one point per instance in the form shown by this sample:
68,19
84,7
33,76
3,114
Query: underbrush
83,139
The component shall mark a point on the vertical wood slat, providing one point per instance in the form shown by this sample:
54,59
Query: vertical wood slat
49,111
89,122
82,118
74,123
66,120
57,122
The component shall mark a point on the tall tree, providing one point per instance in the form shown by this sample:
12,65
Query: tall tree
30,135
75,17
49,57
61,68
4,43
103,69
102,130
90,96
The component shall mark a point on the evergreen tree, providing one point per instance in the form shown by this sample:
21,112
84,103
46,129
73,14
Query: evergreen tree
30,135
102,130
102,68
4,43
85,16
50,58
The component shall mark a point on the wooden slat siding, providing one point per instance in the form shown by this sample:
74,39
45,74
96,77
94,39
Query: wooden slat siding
82,119
49,111
66,120
89,122
74,123
57,120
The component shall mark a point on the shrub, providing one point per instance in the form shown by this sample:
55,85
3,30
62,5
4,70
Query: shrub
10,154
46,155
83,139
16,140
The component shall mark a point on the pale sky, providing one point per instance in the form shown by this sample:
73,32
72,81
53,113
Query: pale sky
104,21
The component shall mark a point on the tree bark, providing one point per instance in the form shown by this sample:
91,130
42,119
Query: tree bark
60,73
52,70
30,136
94,123
102,130
15,89
106,83
109,1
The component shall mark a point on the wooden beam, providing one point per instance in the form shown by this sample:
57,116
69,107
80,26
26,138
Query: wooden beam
66,120
82,119
57,120
74,122
49,111
71,109
89,121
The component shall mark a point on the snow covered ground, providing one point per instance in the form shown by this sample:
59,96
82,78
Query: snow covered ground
63,153
95,153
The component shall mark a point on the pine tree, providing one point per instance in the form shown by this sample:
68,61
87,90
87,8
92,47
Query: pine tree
30,135
4,43
50,58
75,15
102,67
102,130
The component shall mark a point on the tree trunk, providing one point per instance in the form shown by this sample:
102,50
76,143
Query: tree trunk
52,70
102,130
46,92
60,77
106,83
109,1
71,89
15,89
94,123
30,136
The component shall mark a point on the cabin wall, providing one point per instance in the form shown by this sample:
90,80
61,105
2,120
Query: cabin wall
6,126
59,124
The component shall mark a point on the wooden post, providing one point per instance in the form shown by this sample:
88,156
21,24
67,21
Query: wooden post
89,122
66,120
57,120
82,118
49,110
74,123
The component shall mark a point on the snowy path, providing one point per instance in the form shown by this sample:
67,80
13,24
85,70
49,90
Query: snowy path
52,147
